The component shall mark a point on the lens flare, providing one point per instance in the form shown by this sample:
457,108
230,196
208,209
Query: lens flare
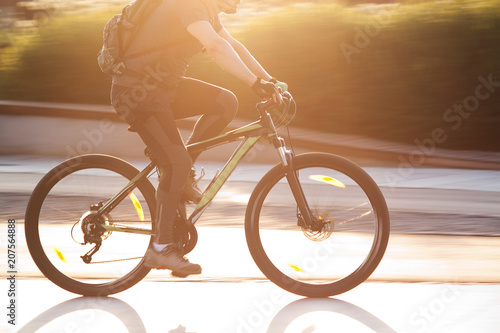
327,180
137,205
59,254
296,268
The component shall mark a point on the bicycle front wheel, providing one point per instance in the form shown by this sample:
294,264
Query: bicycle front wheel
61,212
348,235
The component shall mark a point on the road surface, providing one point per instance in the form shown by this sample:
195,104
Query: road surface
441,271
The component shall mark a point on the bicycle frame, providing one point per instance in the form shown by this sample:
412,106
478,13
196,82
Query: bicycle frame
249,135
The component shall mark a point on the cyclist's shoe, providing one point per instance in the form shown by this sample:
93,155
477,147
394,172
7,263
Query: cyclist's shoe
191,192
170,258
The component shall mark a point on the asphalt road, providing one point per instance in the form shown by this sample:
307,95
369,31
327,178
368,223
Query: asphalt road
440,273
427,201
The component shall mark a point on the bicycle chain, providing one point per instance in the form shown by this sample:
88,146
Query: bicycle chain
116,260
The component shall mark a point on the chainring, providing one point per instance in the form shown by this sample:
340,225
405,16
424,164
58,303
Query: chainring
185,234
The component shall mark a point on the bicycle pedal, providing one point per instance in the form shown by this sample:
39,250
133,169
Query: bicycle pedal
202,174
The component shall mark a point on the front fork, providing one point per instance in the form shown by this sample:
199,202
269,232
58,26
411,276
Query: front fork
305,217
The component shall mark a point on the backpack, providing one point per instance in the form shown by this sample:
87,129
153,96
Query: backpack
118,34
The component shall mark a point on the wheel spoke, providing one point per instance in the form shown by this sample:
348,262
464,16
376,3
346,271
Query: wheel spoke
356,217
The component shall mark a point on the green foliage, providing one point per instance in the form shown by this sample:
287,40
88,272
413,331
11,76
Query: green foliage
390,74
57,63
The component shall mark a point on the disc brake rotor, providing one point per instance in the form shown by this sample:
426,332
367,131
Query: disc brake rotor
325,220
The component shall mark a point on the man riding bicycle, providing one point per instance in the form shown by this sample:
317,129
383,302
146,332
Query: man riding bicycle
152,101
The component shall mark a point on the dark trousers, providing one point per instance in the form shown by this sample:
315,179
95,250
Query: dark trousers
152,116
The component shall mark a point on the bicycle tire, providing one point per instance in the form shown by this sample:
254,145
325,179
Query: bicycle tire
358,211
40,203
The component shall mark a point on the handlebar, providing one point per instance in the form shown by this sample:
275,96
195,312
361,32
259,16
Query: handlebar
264,105
280,116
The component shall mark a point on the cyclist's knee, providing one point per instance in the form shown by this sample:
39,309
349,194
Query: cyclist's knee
229,102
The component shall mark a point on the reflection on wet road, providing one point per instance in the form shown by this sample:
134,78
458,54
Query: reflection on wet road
239,306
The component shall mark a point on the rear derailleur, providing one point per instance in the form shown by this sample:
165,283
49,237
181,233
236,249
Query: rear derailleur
93,231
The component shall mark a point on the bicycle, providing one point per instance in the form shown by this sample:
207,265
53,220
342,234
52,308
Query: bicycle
316,224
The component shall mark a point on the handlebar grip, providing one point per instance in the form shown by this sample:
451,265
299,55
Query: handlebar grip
264,105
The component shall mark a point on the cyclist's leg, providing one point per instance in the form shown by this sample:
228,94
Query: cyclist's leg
153,120
217,106
159,133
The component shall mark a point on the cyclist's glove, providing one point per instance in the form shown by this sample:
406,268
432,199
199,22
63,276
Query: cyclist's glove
264,89
279,84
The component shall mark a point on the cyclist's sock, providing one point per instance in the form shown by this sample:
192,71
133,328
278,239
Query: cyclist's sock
159,247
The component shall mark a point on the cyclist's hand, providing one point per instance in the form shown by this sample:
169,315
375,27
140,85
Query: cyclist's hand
265,89
282,86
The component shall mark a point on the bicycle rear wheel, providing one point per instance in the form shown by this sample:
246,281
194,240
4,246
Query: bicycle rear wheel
60,211
346,242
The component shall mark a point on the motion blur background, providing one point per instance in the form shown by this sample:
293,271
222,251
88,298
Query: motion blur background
394,70
401,84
